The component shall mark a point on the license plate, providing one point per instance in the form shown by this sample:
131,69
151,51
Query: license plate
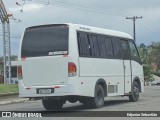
45,91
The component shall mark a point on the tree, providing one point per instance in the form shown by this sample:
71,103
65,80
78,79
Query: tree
143,51
142,45
154,56
148,76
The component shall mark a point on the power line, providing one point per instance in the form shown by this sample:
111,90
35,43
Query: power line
152,23
80,7
151,27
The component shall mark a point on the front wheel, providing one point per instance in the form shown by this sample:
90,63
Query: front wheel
135,92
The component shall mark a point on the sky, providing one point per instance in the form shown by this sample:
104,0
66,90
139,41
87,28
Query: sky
109,14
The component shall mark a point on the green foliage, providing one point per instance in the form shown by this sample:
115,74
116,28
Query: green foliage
148,76
154,56
144,54
13,58
142,45
6,88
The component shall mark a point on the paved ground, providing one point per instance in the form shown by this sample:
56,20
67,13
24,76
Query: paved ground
149,101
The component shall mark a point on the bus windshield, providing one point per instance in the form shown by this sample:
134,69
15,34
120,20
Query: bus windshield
49,40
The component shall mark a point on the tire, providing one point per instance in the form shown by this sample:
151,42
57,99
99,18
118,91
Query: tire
51,104
98,100
135,92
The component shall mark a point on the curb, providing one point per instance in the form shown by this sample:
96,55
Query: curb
8,94
9,100
14,101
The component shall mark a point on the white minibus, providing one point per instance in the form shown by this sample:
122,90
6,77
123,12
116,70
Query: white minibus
72,62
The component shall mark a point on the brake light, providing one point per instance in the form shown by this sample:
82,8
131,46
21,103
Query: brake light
72,69
20,72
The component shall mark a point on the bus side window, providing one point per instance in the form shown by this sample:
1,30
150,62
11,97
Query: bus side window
125,50
102,46
83,44
109,47
94,46
116,48
105,46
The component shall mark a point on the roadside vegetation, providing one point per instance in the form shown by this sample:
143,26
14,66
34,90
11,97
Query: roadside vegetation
152,62
6,88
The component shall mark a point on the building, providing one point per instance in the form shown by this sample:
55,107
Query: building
14,78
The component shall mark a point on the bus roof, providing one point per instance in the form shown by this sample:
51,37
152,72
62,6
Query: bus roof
100,31
91,29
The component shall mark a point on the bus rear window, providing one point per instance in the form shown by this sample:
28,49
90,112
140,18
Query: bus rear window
45,41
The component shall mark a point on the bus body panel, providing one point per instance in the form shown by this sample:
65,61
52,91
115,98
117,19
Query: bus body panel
137,72
63,90
45,71
109,70
127,76
92,67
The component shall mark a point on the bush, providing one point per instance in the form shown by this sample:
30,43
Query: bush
147,73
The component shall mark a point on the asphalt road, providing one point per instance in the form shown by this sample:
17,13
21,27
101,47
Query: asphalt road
149,101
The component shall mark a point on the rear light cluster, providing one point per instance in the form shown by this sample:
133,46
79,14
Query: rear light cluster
72,70
20,76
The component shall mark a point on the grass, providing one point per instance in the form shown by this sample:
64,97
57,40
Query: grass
5,88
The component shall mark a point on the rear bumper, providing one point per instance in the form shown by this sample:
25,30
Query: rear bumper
30,92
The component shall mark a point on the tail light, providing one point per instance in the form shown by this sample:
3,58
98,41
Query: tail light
20,72
72,70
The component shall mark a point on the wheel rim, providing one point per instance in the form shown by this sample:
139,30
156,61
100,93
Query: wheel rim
136,91
100,97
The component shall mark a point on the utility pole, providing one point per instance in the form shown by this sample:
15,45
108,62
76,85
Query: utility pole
6,43
134,18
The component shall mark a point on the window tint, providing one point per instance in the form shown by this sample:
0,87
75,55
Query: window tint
102,46
45,41
105,47
125,49
134,52
94,45
83,43
116,48
109,47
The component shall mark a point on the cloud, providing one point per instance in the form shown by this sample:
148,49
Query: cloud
27,7
112,16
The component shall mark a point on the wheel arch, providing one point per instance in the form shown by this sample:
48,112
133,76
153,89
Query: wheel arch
102,82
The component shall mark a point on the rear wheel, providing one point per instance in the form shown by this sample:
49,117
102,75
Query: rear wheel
51,104
135,92
98,100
